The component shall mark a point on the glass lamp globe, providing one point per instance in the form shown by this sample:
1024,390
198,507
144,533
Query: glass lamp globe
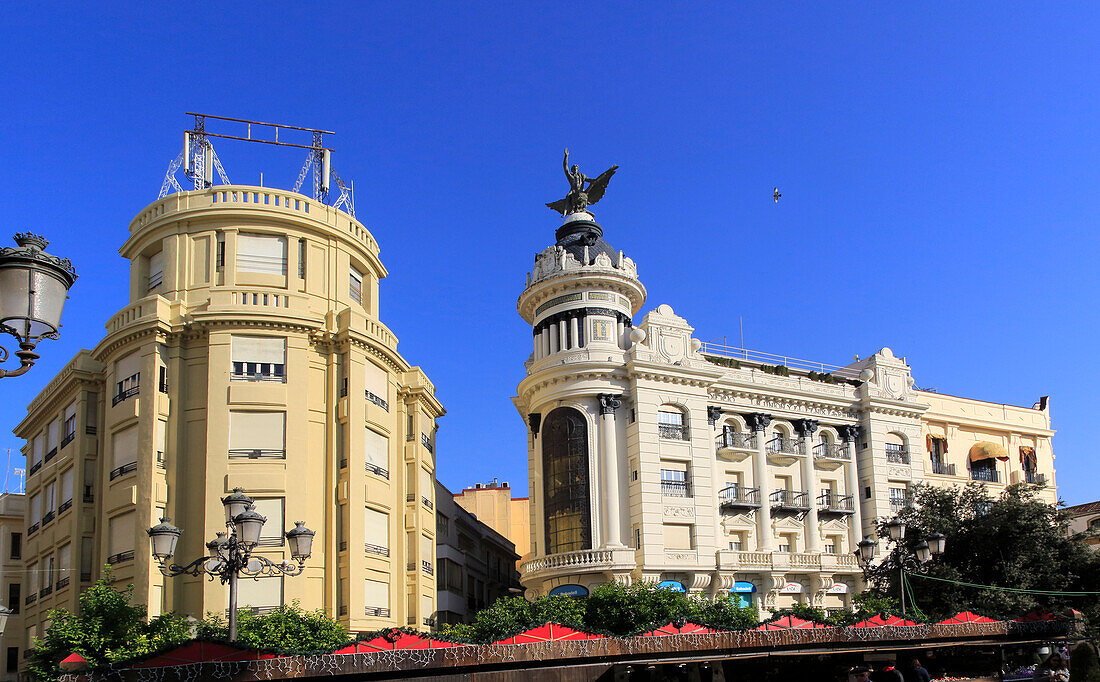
896,528
235,504
33,288
924,554
249,524
300,540
937,543
866,551
163,538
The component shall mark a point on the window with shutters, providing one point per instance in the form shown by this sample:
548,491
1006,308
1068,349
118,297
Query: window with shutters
124,452
426,488
259,358
674,479
38,450
33,581
127,378
86,556
156,272
262,253
49,503
273,508
162,444
376,595
34,505
427,552
68,428
257,435
427,609
66,490
677,536
259,595
355,279
737,541
378,383
377,453
120,546
376,532
51,440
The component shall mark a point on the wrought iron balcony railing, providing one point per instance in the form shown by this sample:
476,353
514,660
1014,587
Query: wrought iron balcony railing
736,439
795,500
986,475
897,455
836,503
256,453
426,566
377,611
676,488
427,443
68,438
47,517
378,400
832,451
64,582
378,471
128,555
65,506
128,393
121,471
376,549
1035,477
33,528
672,431
258,376
942,469
739,496
788,446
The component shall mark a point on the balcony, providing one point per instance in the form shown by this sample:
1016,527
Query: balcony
426,566
426,502
985,475
68,438
897,454
831,455
47,517
376,549
50,455
675,489
258,376
128,393
582,560
739,497
783,451
64,582
377,612
790,501
31,598
45,591
256,453
899,503
832,503
672,431
427,443
1035,478
378,471
735,445
65,506
379,401
121,471
942,469
90,430
34,468
32,529
128,555
162,461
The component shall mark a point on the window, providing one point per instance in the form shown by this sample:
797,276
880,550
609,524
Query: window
355,279
833,544
124,452
427,608
259,358
376,532
565,481
121,538
937,448
13,597
13,659
50,501
64,565
32,581
219,258
737,541
442,525
677,536
670,424
255,435
69,426
896,452
262,253
899,499
156,272
36,511
788,542
262,595
301,259
376,595
16,546
377,453
271,535
1094,527
674,479
127,378
427,553
51,439
86,545
426,488
38,449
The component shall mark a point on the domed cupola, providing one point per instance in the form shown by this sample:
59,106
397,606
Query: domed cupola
582,238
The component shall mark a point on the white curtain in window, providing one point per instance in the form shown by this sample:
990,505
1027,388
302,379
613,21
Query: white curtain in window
376,594
51,497
257,430
32,575
258,592
121,533
64,560
67,485
261,349
377,381
677,536
377,528
124,446
378,449
261,253
272,508
127,366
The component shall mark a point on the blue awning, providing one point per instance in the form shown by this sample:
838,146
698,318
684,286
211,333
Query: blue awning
742,586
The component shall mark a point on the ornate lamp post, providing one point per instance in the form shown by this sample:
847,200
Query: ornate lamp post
33,289
926,550
230,554
4,613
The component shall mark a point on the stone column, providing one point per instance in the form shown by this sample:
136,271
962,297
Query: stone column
563,335
573,335
758,422
806,429
554,338
609,470
850,434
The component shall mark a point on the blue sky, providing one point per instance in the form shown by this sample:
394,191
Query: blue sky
938,164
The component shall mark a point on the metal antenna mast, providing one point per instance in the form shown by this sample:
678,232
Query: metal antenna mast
200,158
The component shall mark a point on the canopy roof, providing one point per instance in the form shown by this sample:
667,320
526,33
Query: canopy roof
987,450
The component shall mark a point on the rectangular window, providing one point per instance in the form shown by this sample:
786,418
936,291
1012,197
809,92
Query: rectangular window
263,253
259,358
427,553
36,509
14,597
16,546
162,443
670,425
124,452
50,503
788,542
121,538
13,659
899,499
67,487
677,536
426,488
86,545
355,279
51,439
255,435
156,272
377,453
38,450
301,259
219,257
376,532
32,580
376,595
427,608
272,533
69,427
262,595
64,564
674,479
737,541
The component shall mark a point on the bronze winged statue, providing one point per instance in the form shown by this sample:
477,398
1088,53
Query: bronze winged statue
580,197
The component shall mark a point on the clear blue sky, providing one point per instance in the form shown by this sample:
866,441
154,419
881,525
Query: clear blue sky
938,164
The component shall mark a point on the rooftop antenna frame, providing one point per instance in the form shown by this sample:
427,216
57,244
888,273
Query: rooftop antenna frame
200,160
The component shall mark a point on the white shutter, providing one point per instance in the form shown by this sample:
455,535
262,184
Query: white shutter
156,270
378,449
162,436
51,497
260,349
426,484
376,594
677,536
377,529
261,253
377,381
272,531
70,415
427,548
127,366
65,560
257,431
37,449
36,508
51,436
426,605
124,446
33,575
262,592
67,485
121,533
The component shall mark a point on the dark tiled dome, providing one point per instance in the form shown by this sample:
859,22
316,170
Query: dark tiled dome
576,234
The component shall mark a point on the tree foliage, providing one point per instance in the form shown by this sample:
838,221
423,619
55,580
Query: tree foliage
1014,540
289,627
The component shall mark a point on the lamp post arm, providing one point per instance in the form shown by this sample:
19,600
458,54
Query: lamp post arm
196,567
26,356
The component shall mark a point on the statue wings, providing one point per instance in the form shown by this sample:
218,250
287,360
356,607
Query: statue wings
599,185
561,206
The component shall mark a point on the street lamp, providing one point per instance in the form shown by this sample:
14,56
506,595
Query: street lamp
230,554
33,289
925,551
4,613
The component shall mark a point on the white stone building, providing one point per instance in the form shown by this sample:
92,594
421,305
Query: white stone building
656,457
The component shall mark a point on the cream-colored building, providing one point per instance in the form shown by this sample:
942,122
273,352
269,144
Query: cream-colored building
251,354
656,457
12,579
493,505
1085,518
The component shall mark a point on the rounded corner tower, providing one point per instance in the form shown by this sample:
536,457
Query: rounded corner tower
579,300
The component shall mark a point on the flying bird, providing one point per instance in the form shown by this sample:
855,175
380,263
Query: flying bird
776,195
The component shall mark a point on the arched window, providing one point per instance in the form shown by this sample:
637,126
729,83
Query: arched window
671,423
565,481
896,451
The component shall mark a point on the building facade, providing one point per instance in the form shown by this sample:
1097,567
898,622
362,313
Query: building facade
656,457
250,355
13,507
475,564
1085,518
493,505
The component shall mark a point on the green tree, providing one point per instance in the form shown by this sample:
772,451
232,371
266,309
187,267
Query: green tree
106,629
564,610
1014,540
503,618
289,627
728,613
627,609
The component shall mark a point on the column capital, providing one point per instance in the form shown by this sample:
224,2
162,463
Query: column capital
849,432
535,420
609,403
805,427
714,413
758,421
